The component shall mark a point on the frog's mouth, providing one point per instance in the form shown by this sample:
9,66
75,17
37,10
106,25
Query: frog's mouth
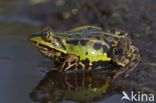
42,46
38,44
48,51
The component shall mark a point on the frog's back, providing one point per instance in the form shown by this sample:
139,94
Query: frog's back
88,42
86,32
89,33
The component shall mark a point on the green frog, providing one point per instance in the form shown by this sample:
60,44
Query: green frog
87,47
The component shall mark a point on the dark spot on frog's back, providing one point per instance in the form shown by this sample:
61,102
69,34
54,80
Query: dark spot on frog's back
97,45
105,49
77,35
116,38
83,42
105,40
111,43
88,36
106,35
75,42
98,38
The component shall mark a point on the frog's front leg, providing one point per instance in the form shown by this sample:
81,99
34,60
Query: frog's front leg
70,62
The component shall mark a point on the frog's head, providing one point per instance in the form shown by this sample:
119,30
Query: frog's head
122,52
47,42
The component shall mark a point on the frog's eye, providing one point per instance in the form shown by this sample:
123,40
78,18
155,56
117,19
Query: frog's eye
47,36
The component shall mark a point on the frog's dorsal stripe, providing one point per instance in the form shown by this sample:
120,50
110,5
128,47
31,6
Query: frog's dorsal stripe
86,28
78,34
86,31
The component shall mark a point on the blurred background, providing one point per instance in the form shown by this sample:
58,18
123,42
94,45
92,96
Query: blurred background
22,65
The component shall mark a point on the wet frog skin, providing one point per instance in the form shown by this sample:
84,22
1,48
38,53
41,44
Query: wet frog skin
87,47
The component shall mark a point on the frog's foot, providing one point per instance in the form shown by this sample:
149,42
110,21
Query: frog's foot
119,73
70,62
125,72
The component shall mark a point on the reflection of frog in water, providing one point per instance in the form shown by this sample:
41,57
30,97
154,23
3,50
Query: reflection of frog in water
87,47
78,86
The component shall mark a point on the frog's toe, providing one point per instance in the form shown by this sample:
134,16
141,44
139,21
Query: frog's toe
118,74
